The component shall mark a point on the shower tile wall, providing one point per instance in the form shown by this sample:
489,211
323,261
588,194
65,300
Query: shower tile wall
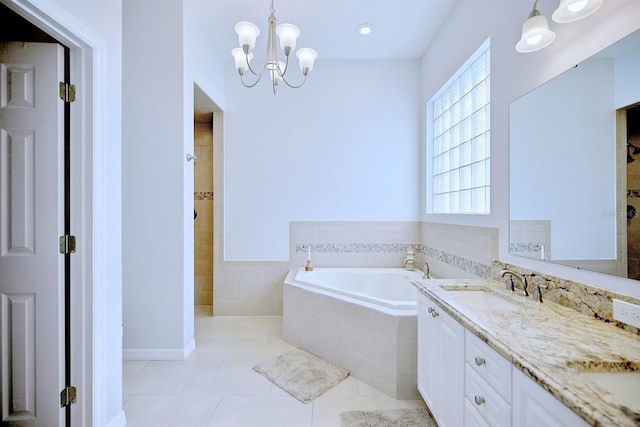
203,224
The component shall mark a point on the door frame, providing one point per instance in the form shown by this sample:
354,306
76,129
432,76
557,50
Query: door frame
88,204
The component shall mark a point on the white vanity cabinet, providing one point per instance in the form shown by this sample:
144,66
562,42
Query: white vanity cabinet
467,383
440,358
533,406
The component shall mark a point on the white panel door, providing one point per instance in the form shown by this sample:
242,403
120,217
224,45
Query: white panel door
31,221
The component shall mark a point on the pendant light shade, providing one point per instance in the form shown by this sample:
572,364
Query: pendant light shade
288,34
306,58
536,34
247,35
574,10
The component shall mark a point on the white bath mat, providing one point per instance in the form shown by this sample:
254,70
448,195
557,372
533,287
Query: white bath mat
418,417
301,374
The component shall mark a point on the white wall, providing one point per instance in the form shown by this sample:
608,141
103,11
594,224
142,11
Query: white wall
343,147
204,65
157,269
204,57
627,81
162,59
512,75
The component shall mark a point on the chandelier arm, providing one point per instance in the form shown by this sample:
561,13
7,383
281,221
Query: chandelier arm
264,67
294,86
252,84
286,67
252,70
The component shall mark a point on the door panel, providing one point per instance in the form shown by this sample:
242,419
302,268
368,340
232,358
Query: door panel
31,221
18,204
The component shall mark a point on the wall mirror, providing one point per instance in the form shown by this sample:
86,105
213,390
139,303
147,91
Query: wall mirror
574,149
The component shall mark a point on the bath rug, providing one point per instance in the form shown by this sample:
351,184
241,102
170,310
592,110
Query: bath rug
417,417
301,374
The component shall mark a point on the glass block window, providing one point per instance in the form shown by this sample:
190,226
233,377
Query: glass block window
460,139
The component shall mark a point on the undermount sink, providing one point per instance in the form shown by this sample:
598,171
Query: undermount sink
620,380
484,299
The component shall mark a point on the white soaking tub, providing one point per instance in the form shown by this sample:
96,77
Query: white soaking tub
362,319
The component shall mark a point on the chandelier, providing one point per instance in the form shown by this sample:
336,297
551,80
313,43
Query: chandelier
287,33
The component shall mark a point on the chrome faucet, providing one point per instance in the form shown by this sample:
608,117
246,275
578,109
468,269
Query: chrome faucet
422,266
425,269
522,280
412,263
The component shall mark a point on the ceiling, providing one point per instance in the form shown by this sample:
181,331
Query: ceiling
401,28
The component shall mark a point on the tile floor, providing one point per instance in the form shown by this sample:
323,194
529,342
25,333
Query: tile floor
216,385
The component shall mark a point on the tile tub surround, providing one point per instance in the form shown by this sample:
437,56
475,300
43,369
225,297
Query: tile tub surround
587,299
255,287
544,341
451,251
352,243
460,251
375,347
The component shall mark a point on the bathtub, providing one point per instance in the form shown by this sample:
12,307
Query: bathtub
362,319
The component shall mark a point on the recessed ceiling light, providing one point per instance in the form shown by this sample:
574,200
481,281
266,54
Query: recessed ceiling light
364,29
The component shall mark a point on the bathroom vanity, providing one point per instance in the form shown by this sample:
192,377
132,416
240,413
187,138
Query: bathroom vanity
490,357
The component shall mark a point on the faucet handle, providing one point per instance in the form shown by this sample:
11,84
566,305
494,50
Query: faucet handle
525,285
537,292
509,285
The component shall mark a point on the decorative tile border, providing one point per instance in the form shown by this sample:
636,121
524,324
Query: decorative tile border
355,248
525,247
464,264
470,266
203,195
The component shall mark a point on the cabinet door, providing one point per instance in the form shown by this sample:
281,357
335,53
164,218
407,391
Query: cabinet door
533,406
441,363
451,371
428,338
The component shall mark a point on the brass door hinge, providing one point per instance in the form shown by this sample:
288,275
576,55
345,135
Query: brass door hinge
67,244
67,92
67,396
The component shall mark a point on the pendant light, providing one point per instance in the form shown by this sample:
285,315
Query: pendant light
536,34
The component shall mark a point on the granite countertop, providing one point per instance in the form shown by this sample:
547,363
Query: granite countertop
552,345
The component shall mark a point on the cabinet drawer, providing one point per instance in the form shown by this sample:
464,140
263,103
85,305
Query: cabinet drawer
489,364
493,408
471,416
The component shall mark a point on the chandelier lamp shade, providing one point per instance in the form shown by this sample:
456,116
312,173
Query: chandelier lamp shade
277,69
574,10
536,34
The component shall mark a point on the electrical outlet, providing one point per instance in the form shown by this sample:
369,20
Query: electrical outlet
626,312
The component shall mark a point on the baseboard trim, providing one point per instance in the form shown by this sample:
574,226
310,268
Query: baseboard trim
158,354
